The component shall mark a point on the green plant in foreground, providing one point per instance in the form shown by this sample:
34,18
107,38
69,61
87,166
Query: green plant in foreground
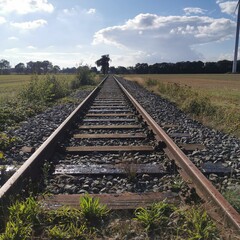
23,216
92,210
195,224
157,215
71,231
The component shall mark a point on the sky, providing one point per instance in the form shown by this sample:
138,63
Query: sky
70,33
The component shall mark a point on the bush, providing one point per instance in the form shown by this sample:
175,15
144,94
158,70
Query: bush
84,77
44,90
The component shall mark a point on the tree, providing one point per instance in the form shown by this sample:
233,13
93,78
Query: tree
141,68
46,66
56,69
104,63
20,68
4,66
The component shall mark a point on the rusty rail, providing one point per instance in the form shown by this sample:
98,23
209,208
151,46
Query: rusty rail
224,211
32,166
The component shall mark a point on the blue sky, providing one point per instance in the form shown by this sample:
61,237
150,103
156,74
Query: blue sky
73,32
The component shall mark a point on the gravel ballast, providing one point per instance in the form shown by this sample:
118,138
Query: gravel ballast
219,147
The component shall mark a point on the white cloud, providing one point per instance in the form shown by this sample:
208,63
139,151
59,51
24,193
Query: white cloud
228,7
2,20
25,6
91,11
29,25
13,38
171,38
11,50
190,11
31,47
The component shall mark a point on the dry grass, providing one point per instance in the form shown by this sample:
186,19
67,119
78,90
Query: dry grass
223,90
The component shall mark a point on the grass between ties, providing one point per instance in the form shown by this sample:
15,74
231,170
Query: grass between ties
212,99
28,219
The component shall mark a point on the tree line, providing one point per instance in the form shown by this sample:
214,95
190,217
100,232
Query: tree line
195,67
43,67
38,67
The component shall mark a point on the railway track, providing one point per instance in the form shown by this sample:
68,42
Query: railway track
111,148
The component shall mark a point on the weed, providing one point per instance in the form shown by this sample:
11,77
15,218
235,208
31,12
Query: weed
177,185
17,231
65,223
72,231
154,217
6,141
45,172
131,171
233,197
23,216
195,224
92,210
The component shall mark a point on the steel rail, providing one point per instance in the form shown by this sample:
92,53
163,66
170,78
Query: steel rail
203,186
32,165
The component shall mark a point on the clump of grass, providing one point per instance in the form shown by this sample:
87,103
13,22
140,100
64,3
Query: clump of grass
194,223
65,223
233,197
27,219
171,222
156,216
23,217
92,210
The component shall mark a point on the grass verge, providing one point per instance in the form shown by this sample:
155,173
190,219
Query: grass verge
199,100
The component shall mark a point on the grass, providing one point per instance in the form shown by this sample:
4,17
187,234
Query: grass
11,85
28,219
213,99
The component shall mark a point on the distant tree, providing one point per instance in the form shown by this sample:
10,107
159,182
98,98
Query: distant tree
56,69
46,66
121,70
141,68
20,68
34,67
94,69
112,70
210,67
4,66
103,62
67,70
224,66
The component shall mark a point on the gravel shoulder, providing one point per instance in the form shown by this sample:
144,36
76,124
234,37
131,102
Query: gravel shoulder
220,147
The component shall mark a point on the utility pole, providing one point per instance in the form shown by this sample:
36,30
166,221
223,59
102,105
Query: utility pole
234,67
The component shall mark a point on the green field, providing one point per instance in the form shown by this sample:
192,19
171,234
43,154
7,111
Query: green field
10,85
222,90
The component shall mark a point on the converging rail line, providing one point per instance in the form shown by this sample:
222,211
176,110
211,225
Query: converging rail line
110,134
